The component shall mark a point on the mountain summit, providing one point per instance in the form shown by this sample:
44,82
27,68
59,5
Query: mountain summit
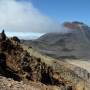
73,25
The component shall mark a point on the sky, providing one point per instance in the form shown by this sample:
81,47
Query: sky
65,10
29,19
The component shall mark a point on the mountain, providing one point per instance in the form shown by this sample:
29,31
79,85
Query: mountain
73,43
23,70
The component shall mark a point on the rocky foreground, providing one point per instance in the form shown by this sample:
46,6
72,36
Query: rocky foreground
10,84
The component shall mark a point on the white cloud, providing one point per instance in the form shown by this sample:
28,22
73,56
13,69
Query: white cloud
23,35
24,17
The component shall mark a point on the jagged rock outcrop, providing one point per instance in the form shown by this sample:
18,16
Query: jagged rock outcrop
2,35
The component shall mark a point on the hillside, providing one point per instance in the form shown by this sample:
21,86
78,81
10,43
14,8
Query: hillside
68,69
19,64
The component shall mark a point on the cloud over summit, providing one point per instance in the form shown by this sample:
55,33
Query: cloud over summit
22,16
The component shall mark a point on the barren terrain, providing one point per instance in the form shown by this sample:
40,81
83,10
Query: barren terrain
81,63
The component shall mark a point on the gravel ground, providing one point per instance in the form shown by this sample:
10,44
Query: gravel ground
9,84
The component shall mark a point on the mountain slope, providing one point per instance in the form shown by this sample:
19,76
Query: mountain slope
17,63
73,44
